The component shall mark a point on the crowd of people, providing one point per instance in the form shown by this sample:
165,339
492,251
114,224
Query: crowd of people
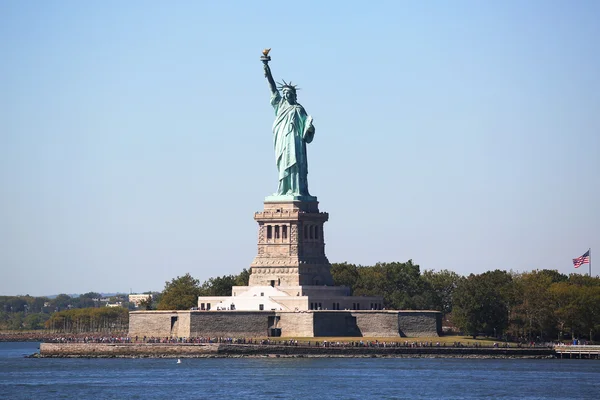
275,342
123,338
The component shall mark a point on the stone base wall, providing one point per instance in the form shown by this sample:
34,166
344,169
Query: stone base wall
379,323
233,324
151,323
420,323
335,323
296,324
252,324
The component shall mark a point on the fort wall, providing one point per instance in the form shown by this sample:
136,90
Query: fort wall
419,323
229,324
379,324
296,324
151,323
248,324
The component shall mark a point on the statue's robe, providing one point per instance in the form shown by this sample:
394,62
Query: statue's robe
292,129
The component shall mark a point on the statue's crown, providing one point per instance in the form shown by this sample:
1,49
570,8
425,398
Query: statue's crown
287,85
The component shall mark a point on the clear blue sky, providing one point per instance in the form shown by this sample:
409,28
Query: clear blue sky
135,137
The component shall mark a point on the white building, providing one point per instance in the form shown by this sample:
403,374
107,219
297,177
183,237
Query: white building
135,299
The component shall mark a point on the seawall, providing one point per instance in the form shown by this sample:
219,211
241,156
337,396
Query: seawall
106,350
200,350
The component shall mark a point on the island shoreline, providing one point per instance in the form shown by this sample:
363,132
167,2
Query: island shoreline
221,350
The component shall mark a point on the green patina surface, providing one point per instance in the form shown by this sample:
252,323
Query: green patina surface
293,129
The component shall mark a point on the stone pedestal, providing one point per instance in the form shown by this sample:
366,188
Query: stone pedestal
291,271
291,247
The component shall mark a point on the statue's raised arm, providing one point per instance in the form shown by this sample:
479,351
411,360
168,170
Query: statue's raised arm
265,59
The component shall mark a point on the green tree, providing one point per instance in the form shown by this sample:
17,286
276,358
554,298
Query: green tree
180,294
565,307
35,321
243,278
37,305
554,275
535,307
146,304
83,320
90,299
583,280
443,284
345,274
481,303
589,303
219,286
16,304
403,287
62,301
16,321
370,282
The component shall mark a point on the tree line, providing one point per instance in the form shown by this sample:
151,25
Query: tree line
536,305
105,320
31,312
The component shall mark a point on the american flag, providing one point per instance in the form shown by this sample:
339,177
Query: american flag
584,259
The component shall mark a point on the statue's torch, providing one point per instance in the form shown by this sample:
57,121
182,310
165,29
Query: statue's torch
265,58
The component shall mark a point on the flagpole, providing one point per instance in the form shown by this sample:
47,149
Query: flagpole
590,259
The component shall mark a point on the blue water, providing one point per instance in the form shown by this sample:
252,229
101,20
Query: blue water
278,378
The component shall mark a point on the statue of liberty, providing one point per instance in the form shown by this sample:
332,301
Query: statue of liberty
292,130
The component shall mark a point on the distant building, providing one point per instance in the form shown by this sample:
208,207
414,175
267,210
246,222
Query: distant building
117,304
135,299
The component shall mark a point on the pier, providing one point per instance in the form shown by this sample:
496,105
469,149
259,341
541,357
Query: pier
578,351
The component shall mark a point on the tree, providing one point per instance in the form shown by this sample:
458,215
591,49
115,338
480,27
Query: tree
554,275
535,307
81,320
243,278
16,304
180,294
481,303
146,304
400,284
90,299
37,305
403,287
565,308
35,321
583,280
589,302
219,286
62,301
345,274
443,284
16,321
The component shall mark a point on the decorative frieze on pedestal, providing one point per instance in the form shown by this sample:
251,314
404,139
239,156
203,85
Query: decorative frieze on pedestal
291,247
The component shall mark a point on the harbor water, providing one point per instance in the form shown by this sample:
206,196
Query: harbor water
292,378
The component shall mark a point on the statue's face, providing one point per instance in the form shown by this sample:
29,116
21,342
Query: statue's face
289,96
